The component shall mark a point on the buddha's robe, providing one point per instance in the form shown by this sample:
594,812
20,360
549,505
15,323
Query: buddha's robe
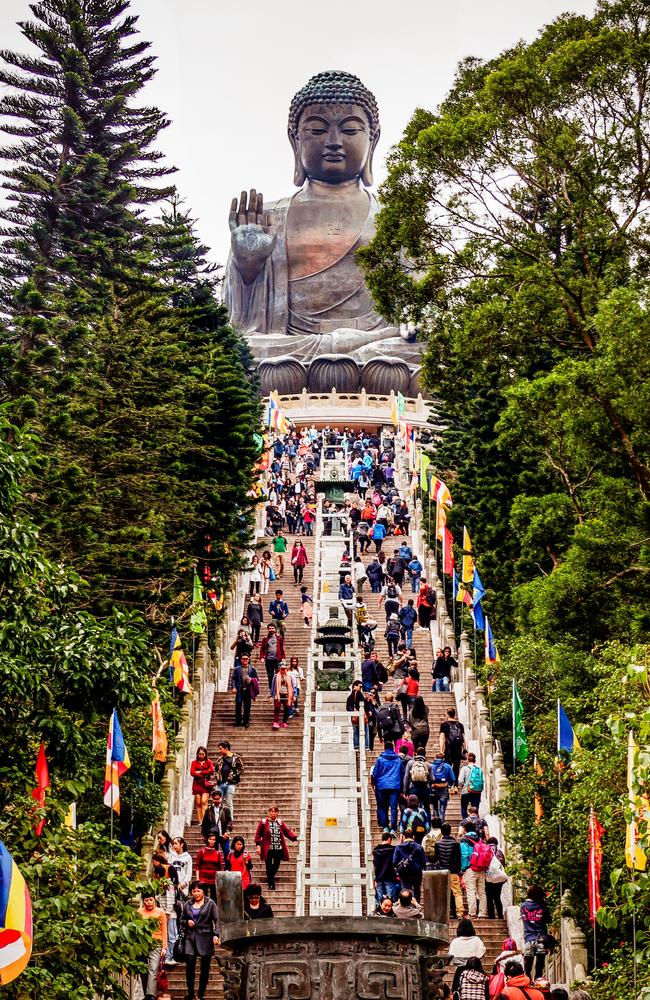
320,303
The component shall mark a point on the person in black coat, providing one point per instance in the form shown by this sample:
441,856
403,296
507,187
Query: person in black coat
201,921
255,906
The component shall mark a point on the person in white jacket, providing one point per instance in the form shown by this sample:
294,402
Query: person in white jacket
466,944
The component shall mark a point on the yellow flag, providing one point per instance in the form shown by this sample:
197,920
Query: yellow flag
468,561
635,856
394,414
425,462
71,817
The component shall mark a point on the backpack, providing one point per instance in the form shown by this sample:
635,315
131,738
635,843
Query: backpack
415,822
419,770
455,735
236,768
475,783
481,858
391,590
440,779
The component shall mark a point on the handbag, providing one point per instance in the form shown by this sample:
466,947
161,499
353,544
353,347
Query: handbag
497,984
162,979
179,944
271,574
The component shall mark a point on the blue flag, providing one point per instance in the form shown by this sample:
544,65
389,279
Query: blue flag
566,738
454,581
478,593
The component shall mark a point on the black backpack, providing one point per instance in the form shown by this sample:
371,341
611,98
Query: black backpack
392,590
455,734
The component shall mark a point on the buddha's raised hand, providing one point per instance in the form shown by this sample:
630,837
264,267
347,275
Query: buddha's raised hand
252,237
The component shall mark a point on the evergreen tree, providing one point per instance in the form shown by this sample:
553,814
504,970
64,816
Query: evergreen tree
84,161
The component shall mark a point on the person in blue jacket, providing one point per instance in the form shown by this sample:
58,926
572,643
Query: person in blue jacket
386,777
535,918
378,535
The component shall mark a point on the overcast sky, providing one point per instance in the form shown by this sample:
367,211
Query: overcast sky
227,70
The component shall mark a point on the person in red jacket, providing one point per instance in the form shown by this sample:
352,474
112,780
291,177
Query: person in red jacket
272,652
202,771
209,861
239,860
298,560
271,840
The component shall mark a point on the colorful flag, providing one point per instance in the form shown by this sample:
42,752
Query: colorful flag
198,618
117,763
394,412
447,552
179,672
16,931
538,805
159,742
425,462
71,817
519,738
595,863
42,782
566,738
468,560
454,585
401,404
491,651
441,521
635,856
440,492
478,593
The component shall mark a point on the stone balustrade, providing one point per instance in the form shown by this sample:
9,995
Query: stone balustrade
357,408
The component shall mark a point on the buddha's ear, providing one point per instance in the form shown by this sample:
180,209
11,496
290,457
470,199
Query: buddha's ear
299,175
366,173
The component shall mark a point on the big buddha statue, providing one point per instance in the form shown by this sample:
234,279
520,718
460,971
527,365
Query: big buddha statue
292,283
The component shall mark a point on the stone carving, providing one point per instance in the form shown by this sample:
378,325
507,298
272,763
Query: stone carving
331,959
383,374
292,283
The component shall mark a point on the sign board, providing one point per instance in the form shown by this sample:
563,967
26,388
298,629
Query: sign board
331,821
328,732
328,897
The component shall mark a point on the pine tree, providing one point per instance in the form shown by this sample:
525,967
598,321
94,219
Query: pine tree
81,167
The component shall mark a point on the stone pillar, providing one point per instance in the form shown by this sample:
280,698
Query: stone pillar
230,899
435,896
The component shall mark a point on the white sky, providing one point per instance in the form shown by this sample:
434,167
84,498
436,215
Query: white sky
227,70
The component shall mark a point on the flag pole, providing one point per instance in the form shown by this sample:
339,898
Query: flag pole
592,847
514,732
559,830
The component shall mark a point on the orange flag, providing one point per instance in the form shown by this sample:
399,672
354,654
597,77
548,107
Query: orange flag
159,744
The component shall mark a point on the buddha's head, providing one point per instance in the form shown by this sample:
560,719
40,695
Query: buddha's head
333,129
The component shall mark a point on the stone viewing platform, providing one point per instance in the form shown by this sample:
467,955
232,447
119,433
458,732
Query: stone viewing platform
358,408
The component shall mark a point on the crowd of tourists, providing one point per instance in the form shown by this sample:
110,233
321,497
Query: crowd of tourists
412,784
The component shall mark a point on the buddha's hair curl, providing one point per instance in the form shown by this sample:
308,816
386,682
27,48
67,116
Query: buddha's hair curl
334,87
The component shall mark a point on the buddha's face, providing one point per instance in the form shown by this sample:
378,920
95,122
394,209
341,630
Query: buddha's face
333,143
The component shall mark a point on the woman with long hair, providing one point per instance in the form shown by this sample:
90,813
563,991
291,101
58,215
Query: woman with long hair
255,615
202,771
240,860
419,723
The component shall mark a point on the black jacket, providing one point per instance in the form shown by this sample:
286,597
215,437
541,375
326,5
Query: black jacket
382,858
263,912
221,824
447,855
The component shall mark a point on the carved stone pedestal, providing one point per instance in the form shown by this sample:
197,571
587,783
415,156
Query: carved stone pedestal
333,958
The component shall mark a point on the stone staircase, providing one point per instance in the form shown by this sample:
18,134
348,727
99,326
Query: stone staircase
272,764
492,932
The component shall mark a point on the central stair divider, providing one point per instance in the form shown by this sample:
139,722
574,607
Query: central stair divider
334,874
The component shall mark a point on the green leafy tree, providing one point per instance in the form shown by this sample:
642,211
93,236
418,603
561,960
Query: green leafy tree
87,931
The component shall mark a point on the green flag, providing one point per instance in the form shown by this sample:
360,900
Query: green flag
401,404
198,618
520,742
425,462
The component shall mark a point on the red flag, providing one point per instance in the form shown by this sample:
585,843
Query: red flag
42,782
595,863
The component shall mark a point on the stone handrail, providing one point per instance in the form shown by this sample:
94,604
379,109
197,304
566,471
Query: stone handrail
352,407
210,673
